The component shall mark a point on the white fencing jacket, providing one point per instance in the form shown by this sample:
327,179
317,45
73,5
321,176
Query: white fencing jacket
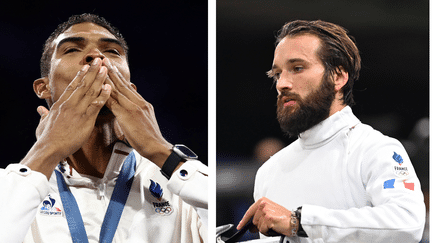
31,209
354,183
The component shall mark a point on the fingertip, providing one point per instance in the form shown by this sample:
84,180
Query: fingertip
39,110
42,110
107,87
84,69
103,70
240,225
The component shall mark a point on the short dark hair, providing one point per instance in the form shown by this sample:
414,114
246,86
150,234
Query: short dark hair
45,62
338,49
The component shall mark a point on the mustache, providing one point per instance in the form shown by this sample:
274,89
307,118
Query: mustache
285,94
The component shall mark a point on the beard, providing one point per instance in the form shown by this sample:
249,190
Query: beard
307,112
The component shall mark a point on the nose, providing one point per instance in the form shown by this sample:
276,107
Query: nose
91,55
284,82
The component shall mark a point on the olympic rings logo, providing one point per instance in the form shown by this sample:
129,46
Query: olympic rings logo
164,210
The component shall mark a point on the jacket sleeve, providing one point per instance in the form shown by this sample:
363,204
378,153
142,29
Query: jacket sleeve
395,212
21,190
190,183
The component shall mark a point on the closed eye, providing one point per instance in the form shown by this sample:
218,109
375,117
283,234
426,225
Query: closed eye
113,51
70,50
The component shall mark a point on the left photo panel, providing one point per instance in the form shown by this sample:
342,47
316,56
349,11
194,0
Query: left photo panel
104,122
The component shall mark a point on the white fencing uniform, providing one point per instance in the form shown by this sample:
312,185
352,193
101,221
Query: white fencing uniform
354,183
32,211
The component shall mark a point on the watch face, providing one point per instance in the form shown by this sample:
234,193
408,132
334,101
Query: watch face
188,154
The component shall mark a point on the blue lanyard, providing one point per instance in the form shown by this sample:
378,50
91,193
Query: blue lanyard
115,207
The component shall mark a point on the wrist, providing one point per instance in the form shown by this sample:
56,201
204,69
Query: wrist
158,155
42,157
294,224
179,154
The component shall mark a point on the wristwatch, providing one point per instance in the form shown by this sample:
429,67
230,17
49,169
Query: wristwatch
180,153
300,232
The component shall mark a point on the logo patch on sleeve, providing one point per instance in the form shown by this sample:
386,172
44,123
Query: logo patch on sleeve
409,185
397,158
389,183
399,170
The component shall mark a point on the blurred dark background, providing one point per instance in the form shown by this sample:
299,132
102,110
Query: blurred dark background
392,94
168,63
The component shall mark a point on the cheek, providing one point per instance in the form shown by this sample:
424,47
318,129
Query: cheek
61,75
125,73
306,87
57,90
303,86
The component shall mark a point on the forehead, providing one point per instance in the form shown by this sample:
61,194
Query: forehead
303,46
89,31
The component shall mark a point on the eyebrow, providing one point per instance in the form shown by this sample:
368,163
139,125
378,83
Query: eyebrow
293,60
70,39
111,40
82,39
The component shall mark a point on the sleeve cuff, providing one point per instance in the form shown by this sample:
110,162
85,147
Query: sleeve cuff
189,182
34,178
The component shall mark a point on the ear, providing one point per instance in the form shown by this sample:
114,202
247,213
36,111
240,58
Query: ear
340,79
41,88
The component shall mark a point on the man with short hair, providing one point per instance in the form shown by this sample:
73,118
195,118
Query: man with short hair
118,179
341,180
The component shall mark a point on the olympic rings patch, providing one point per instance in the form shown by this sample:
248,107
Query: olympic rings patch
164,210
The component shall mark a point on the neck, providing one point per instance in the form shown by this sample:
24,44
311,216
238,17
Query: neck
337,105
93,157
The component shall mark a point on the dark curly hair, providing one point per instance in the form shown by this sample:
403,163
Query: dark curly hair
338,50
45,61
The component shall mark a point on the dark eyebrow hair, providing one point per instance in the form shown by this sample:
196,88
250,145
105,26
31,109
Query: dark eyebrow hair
270,73
293,60
296,60
70,39
79,39
112,40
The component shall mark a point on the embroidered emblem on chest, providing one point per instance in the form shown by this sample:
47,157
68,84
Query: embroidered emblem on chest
161,207
48,207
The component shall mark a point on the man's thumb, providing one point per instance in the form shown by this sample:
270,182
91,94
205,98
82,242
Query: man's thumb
42,111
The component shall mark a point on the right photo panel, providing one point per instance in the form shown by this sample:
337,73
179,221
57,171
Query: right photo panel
322,121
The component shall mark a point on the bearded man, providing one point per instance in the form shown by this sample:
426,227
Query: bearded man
100,170
341,180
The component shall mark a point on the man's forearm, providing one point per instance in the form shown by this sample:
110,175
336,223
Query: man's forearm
42,158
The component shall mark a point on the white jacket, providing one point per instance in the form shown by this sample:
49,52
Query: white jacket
180,215
355,184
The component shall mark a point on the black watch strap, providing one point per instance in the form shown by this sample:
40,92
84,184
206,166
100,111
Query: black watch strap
300,232
170,164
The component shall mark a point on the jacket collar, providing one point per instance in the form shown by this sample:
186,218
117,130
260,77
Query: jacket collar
118,156
325,131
